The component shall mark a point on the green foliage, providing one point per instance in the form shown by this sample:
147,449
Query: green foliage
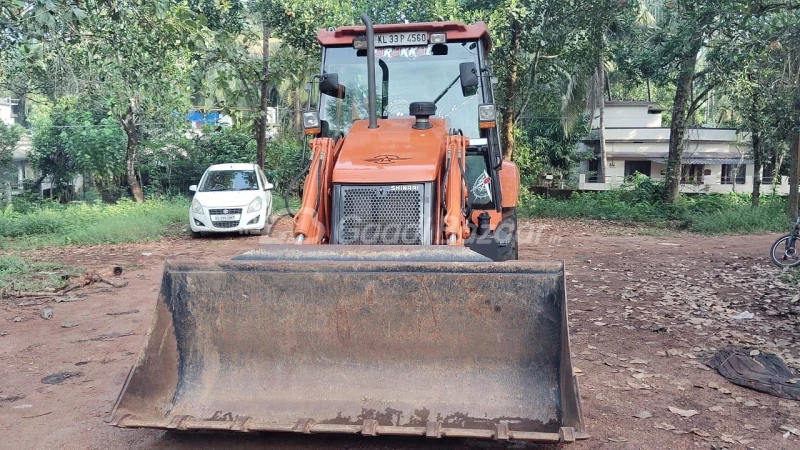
9,136
23,275
641,200
76,136
82,224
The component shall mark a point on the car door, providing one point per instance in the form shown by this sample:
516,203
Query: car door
266,192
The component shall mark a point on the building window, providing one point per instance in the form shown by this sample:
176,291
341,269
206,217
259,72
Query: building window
594,169
633,167
692,174
733,174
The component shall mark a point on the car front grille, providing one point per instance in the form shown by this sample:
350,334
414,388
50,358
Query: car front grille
229,224
217,212
381,215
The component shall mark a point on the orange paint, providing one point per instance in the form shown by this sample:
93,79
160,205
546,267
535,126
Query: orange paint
509,184
455,31
392,153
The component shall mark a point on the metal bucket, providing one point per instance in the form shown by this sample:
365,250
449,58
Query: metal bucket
387,341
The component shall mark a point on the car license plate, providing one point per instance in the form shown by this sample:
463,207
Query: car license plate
225,218
400,39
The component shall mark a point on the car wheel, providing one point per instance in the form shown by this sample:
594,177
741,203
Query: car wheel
196,234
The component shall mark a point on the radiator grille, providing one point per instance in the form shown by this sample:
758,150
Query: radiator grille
225,224
218,212
381,215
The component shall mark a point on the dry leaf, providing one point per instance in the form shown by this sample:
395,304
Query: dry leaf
700,432
639,361
683,412
617,439
790,429
643,415
664,426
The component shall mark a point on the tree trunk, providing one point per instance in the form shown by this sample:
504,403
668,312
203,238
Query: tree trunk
776,171
601,99
132,132
261,121
757,158
794,161
509,112
683,93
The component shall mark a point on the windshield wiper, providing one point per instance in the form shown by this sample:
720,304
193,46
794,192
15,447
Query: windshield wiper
446,90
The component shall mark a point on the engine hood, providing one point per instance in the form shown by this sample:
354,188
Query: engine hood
392,153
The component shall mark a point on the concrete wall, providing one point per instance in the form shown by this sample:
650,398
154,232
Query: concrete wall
634,114
5,113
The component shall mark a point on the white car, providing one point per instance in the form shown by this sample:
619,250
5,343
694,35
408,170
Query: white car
229,198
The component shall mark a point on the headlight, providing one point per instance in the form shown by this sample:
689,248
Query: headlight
487,115
255,205
311,123
197,208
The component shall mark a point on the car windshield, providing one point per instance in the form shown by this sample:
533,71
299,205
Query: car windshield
230,180
411,74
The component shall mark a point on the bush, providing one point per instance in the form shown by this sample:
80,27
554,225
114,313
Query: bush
176,162
85,224
640,200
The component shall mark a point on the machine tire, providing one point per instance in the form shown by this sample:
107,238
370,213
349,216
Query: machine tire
196,235
510,222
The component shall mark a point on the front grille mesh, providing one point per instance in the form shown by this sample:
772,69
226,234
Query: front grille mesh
218,212
377,215
225,224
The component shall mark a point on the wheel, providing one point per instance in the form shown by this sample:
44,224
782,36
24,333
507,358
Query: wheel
196,235
509,222
783,255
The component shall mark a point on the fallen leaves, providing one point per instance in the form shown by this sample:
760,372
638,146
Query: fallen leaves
683,412
643,415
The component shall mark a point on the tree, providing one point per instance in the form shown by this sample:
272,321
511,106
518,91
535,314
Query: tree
9,136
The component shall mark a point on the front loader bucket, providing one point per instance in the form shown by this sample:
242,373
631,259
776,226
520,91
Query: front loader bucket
414,341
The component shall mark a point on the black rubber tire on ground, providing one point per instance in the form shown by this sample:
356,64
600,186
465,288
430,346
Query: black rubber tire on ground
509,222
196,235
780,245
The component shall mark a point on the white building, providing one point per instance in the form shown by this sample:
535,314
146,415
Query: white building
714,159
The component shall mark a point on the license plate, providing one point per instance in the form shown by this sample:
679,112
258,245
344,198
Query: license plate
225,218
400,39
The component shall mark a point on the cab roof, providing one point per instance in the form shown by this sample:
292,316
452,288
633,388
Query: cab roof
454,30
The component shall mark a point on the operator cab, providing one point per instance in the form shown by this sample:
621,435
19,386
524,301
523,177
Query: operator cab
417,64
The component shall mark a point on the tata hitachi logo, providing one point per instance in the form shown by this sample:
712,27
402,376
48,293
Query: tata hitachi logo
404,187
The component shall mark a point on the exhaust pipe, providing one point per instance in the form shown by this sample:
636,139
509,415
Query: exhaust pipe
373,116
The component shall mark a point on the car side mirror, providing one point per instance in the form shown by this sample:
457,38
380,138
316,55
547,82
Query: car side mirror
193,188
329,85
268,186
469,78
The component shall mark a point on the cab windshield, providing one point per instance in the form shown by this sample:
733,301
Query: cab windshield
230,180
411,74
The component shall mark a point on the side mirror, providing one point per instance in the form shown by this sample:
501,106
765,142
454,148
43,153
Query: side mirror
193,188
469,78
329,85
268,186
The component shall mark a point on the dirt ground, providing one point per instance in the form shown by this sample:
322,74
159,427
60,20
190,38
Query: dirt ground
645,312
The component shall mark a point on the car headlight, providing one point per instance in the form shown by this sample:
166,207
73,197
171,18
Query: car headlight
255,205
197,208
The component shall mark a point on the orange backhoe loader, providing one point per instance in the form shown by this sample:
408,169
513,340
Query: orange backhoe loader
390,314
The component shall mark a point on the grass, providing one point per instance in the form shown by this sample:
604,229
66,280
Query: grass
640,202
23,275
82,224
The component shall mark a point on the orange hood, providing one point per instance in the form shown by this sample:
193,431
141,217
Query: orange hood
392,153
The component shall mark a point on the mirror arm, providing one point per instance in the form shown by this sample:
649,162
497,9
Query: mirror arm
447,89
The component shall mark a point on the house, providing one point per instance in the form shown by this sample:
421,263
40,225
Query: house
714,159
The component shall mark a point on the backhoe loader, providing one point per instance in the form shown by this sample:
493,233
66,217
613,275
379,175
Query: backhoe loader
391,313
